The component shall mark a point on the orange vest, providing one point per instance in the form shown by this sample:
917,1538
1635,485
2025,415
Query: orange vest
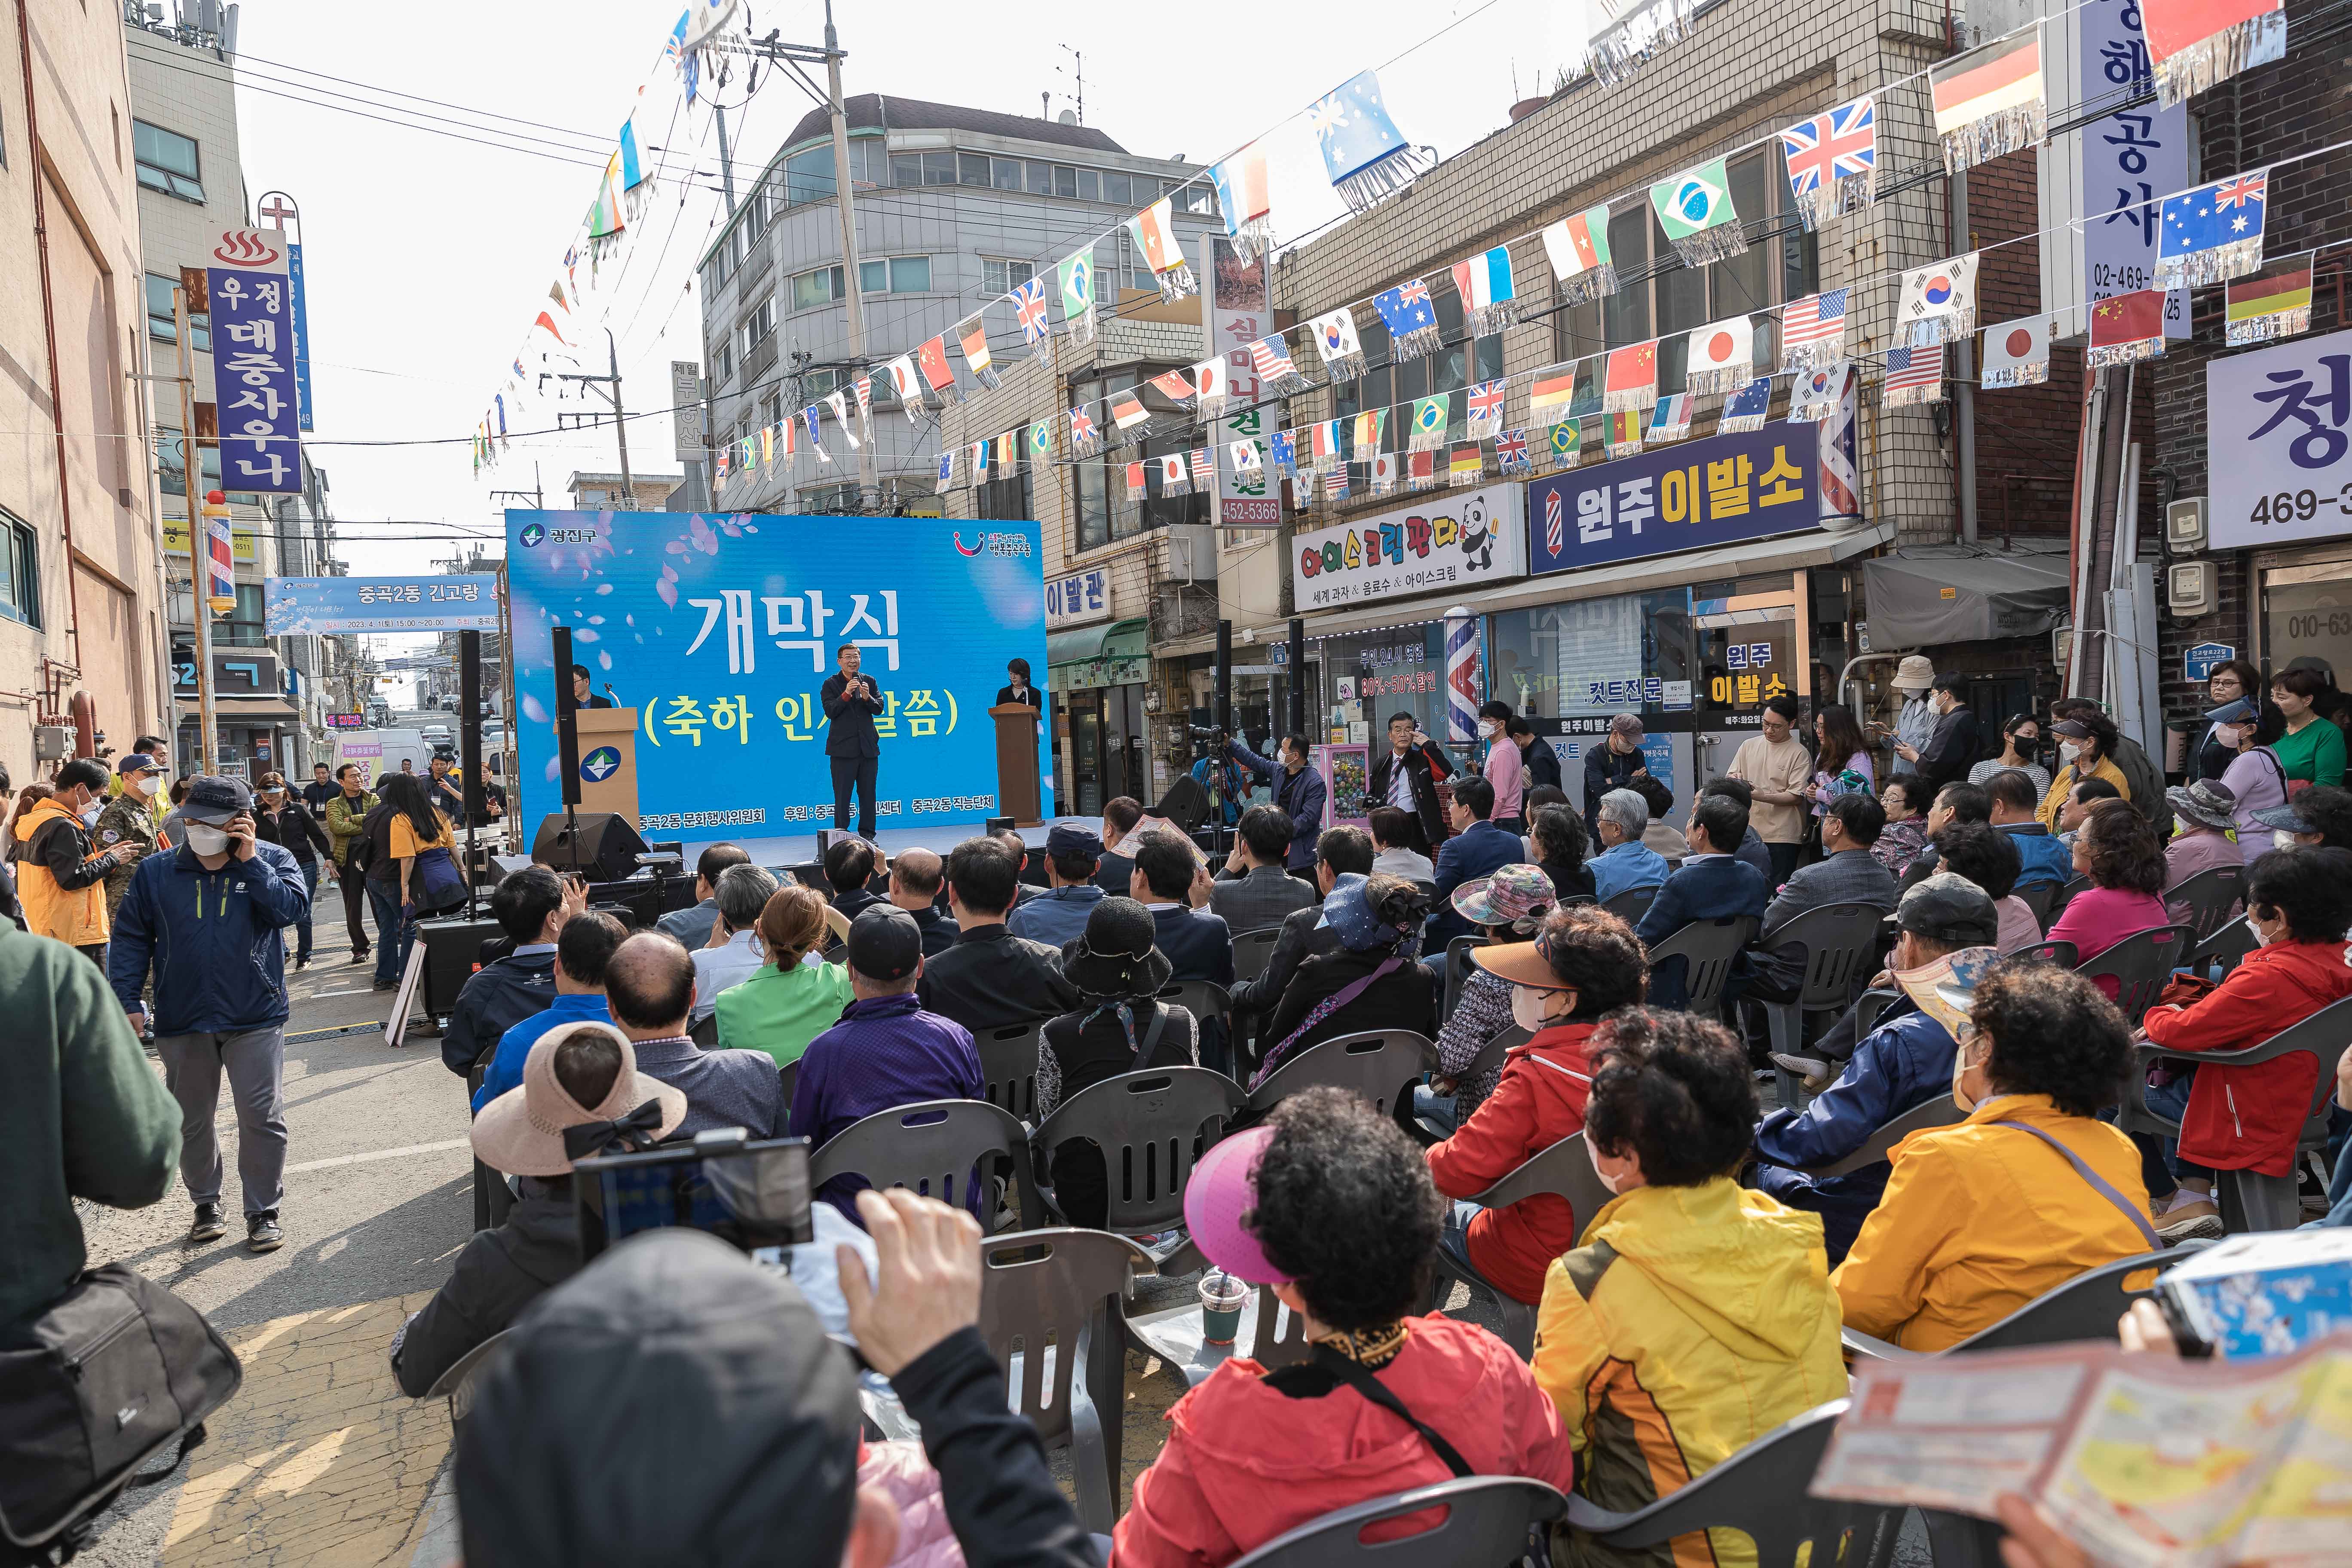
75,916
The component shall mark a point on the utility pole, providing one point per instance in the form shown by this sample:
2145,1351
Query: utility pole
841,195
611,384
726,167
199,526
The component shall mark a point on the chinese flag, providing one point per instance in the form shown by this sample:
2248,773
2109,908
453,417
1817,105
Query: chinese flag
2126,318
1632,368
933,357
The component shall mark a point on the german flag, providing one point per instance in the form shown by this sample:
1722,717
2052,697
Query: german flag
2273,304
1554,389
1995,80
1467,463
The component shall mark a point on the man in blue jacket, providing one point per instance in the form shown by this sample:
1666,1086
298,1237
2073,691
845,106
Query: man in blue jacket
2040,856
1478,848
1712,885
1905,1061
1298,790
205,918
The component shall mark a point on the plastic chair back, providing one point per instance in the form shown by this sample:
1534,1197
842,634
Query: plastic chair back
1632,904
1869,1006
1564,1170
935,1147
1008,1067
1152,1127
1488,1519
1940,1112
2038,897
2205,901
706,1033
2064,896
1708,949
456,1383
2323,1037
790,1075
1457,971
1490,1055
2140,964
1838,940
2083,1308
1251,950
1205,999
2062,953
1380,1065
2227,947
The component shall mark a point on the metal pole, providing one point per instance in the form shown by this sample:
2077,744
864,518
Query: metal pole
199,536
469,750
841,196
1298,677
620,425
725,165
1965,379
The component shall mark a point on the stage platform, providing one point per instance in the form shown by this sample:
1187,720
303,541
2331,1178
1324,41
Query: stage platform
801,849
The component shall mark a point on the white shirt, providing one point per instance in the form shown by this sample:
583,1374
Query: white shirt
716,968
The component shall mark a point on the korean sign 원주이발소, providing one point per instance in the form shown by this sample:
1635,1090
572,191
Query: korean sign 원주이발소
1687,496
2278,442
252,303
293,606
721,629
1454,539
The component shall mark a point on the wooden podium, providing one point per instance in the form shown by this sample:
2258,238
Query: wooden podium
606,784
1016,762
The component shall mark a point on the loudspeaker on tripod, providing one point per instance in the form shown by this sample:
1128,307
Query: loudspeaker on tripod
606,847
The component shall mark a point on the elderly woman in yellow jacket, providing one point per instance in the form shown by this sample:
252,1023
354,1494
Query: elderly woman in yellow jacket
1698,1314
2030,1190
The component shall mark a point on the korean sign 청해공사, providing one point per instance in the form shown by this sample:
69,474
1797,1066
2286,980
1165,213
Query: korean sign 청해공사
2278,442
252,300
1453,540
1687,496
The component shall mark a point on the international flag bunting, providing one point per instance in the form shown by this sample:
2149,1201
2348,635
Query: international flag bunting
1154,229
2274,304
1242,197
1939,303
1746,408
1670,420
816,434
1722,356
1913,375
1174,479
1367,441
1336,339
1625,433
1135,482
767,445
947,467
1041,442
2127,327
2016,353
1814,397
1364,153
932,358
1381,473
838,401
1618,52
1029,308
1696,211
1085,440
2194,43
1172,385
1813,331
974,340
1484,282
1988,102
1552,393
1077,276
1411,320
1008,453
1211,381
1277,372
1833,161
2212,233
1486,409
1564,448
1247,458
1421,468
1428,423
717,467
1204,469
1334,484
864,386
1466,463
1129,414
1282,448
1323,442
1632,380
1511,451
905,387
1578,249
788,437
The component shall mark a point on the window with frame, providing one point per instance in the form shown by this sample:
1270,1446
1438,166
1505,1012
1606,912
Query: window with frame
1005,500
167,161
20,579
812,290
832,499
1107,510
1000,276
817,382
722,361
895,275
759,324
162,326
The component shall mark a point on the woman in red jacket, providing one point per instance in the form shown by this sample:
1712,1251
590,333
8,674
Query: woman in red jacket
2299,902
1584,964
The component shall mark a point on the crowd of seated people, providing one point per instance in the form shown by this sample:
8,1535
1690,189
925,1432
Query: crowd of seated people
733,954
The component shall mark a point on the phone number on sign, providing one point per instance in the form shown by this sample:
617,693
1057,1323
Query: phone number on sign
2299,506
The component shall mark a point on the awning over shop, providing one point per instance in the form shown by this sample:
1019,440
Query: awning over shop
244,711
1923,597
1112,639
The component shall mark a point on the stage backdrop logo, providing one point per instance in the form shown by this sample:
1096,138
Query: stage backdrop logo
720,630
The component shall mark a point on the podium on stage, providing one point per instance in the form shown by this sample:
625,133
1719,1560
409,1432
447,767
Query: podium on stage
608,760
1017,764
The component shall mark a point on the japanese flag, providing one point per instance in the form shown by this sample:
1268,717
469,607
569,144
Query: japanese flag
1722,355
1211,379
2017,354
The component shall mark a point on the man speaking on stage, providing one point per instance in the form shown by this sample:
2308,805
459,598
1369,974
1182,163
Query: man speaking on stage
850,703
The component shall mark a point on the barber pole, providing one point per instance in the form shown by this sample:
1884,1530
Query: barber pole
1555,524
1461,676
220,564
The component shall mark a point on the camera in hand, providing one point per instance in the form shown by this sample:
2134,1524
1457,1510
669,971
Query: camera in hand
753,1195
1213,734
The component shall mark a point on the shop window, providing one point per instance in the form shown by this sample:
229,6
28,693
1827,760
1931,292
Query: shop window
20,571
1370,677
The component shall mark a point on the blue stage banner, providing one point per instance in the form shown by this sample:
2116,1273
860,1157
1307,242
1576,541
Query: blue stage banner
1687,496
720,630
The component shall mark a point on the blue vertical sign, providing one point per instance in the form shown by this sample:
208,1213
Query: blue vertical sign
302,331
252,361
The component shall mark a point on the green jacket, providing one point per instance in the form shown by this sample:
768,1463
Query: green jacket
780,1011
82,1115
344,820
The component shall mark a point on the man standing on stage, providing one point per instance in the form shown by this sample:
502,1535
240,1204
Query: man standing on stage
851,701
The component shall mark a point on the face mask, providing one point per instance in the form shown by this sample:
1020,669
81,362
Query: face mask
90,815
206,840
1961,1064
146,785
2068,751
1530,1008
1605,1178
2281,839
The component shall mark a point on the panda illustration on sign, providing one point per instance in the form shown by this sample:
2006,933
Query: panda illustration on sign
1477,533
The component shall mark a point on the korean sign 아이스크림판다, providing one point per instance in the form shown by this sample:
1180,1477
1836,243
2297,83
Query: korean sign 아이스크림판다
1459,539
252,302
1721,490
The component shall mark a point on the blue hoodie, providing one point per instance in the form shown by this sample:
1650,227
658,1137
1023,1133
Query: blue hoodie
212,938
2040,856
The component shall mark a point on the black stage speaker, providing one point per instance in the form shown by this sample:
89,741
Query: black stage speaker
453,949
607,849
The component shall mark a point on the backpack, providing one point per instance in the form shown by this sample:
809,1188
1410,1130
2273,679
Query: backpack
92,1387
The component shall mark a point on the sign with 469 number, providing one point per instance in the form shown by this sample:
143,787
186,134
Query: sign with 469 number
2278,442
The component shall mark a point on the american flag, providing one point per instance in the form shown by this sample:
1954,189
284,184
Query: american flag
1814,317
1511,450
1913,367
1335,483
1828,147
1272,359
1487,401
1204,466
1029,304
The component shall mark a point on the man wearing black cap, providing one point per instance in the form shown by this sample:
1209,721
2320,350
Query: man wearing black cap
1073,856
206,917
887,1051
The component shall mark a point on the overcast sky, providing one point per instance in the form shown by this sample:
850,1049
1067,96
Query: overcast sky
428,255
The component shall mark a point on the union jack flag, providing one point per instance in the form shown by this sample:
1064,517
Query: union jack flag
2237,193
1828,147
1029,304
1486,401
1813,318
1082,427
1511,450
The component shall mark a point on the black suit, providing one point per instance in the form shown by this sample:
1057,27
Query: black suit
854,747
1199,946
1298,940
594,702
1425,765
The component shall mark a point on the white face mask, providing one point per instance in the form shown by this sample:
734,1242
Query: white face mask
206,839
1605,1178
1531,1008
1961,1064
145,783
2068,751
2281,839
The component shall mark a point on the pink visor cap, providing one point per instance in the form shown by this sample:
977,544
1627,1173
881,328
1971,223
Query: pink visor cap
1223,1189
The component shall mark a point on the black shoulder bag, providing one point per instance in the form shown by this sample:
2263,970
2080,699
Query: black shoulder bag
1328,1369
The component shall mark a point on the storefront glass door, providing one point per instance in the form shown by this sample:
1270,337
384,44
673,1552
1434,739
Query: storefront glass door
2307,609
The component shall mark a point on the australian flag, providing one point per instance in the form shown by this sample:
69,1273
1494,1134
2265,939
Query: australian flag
1412,318
2212,233
1285,450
